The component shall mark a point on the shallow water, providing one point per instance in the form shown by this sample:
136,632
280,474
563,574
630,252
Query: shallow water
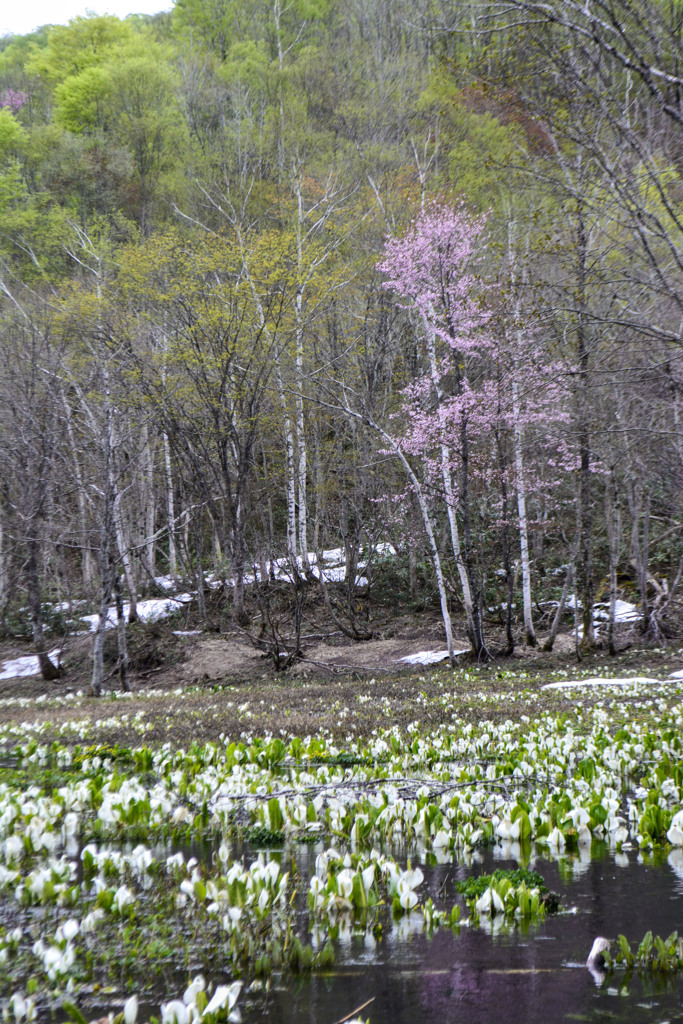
519,978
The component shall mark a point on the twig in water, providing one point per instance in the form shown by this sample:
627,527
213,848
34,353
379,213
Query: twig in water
354,1012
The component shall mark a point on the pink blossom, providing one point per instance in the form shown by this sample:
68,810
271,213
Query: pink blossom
14,99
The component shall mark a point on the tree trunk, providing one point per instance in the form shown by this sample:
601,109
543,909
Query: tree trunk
509,581
559,611
643,574
148,512
48,671
450,497
585,583
431,539
112,456
302,461
238,554
477,636
104,559
521,512
87,561
121,635
4,578
577,617
170,510
613,521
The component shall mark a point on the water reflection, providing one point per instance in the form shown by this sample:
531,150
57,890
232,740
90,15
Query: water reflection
505,973
501,971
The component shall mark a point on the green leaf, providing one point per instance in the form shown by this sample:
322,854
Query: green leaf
74,1013
275,819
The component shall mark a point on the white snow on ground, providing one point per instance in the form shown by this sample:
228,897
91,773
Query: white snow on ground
677,675
333,567
165,582
624,611
631,681
25,666
428,657
148,611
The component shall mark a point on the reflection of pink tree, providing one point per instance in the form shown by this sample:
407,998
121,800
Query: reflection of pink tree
14,99
428,268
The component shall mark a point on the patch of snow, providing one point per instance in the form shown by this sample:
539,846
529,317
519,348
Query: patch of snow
624,611
25,666
385,548
148,611
332,567
159,607
677,675
187,632
428,657
631,681
165,582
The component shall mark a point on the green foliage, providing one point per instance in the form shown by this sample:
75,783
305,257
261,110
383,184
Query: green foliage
247,64
86,42
212,23
261,835
102,751
74,1014
653,954
476,885
80,100
655,821
12,135
479,145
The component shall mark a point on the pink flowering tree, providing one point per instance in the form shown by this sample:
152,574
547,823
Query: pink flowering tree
429,270
13,99
484,400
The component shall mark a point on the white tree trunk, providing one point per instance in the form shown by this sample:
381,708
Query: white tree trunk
426,520
433,549
122,545
87,561
302,460
447,480
148,503
4,574
124,555
170,509
522,515
613,523
290,469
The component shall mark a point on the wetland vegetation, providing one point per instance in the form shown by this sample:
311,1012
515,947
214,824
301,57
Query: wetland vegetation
188,880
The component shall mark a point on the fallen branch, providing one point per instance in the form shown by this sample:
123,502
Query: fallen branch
354,1012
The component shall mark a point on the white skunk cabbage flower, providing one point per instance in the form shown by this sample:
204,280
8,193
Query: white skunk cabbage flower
196,986
123,898
130,1010
490,903
407,883
224,998
675,833
174,1012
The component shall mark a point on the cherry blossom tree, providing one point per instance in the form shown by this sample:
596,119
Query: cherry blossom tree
429,270
486,414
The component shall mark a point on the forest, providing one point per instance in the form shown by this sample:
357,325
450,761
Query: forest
280,276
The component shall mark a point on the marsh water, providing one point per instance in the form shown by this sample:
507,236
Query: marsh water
518,976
